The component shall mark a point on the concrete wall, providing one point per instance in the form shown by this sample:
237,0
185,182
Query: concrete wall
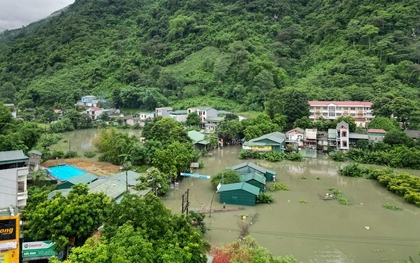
8,188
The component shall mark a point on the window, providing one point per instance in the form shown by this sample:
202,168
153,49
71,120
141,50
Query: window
338,108
21,187
360,108
338,114
352,108
318,108
344,144
353,114
345,108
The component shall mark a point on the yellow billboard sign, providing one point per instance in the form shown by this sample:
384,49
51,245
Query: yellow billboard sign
9,239
261,148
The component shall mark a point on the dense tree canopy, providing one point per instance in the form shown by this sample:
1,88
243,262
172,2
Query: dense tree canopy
76,216
144,54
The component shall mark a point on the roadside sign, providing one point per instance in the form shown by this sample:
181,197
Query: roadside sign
38,249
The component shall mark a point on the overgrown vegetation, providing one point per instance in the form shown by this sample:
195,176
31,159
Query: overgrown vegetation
225,177
403,184
278,186
339,195
271,156
391,207
264,198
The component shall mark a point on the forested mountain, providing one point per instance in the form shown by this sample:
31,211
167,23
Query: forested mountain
223,53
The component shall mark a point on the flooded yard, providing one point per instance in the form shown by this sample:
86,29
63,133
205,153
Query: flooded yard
318,231
315,231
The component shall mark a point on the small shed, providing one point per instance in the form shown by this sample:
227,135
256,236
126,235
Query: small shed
250,167
239,194
256,180
86,178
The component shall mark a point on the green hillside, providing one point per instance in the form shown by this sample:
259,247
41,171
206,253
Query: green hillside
227,54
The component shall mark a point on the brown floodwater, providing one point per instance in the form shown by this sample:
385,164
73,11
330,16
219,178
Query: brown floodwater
318,231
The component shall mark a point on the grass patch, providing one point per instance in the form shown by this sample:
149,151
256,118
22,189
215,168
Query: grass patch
278,186
391,207
339,195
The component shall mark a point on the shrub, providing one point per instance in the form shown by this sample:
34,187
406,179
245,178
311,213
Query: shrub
303,201
296,157
274,156
89,154
278,186
70,154
337,156
264,198
352,170
227,176
57,154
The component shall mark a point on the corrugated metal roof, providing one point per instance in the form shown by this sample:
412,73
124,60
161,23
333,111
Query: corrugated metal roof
196,137
131,176
254,176
7,157
276,137
240,186
297,129
215,119
82,179
250,164
35,152
376,131
413,133
353,135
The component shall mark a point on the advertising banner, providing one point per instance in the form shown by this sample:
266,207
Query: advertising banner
38,249
9,239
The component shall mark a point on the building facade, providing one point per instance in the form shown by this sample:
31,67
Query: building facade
13,175
163,111
330,110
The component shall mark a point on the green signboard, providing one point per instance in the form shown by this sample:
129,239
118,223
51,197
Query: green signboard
38,249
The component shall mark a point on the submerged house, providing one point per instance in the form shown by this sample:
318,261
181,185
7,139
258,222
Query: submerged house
238,194
274,141
255,179
198,139
295,137
251,168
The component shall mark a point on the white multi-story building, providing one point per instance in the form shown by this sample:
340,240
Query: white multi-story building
203,112
13,176
163,111
330,110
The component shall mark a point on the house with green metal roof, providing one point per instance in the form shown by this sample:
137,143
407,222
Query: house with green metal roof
255,179
250,167
86,178
238,194
113,189
212,122
198,139
129,176
203,112
274,141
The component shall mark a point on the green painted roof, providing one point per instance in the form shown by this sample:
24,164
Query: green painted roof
343,123
178,112
275,137
196,136
131,176
35,152
9,157
82,179
240,186
251,165
254,176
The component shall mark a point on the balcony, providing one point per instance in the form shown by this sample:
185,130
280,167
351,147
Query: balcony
22,196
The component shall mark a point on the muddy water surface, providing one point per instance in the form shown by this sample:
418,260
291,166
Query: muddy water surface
318,231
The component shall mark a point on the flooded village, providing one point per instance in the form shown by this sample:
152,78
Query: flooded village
315,230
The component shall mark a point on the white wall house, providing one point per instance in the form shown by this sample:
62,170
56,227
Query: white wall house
330,110
203,112
295,135
179,115
94,112
163,111
343,136
13,177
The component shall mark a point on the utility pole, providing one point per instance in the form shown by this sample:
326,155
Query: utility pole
185,201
